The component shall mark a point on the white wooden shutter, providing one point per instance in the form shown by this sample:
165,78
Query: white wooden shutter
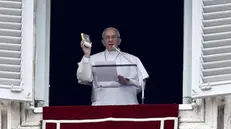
16,49
211,47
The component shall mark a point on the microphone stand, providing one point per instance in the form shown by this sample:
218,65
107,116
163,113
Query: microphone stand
142,86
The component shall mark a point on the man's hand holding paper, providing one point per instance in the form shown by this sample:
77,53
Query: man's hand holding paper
122,80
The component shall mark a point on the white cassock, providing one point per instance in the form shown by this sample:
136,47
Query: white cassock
121,95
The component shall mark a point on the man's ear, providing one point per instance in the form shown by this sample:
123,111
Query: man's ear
102,42
119,41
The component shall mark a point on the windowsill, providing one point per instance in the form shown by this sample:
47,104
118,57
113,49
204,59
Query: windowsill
182,107
38,110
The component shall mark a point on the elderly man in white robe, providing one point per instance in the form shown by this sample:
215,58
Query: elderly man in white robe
125,93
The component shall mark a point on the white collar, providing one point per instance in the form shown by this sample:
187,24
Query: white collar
111,52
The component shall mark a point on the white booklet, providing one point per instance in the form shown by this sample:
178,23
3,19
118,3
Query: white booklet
105,71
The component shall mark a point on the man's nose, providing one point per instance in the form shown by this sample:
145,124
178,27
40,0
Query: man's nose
110,39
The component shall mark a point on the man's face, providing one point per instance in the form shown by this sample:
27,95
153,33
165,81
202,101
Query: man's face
110,38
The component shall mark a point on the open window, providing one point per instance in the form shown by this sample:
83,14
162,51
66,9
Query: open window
206,50
16,49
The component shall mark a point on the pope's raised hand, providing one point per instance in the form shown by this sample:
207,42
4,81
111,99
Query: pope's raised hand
86,49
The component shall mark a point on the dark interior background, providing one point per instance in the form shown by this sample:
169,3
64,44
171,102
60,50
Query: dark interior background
151,30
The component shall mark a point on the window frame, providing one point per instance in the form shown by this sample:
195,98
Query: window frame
40,60
191,114
42,25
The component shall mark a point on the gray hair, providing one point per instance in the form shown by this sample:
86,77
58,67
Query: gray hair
117,32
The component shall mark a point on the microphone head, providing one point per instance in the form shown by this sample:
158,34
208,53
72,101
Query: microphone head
115,48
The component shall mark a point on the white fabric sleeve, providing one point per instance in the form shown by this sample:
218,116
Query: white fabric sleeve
142,75
84,71
137,84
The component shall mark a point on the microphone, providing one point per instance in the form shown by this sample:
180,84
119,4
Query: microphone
142,86
122,54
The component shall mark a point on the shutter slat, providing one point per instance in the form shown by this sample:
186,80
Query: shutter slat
11,68
10,46
8,32
5,81
218,78
10,25
8,39
217,36
10,11
217,64
12,61
12,0
217,29
216,50
11,75
215,8
217,57
217,71
217,15
10,18
11,4
7,53
216,22
215,2
217,43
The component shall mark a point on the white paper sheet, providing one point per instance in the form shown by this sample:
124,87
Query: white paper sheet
106,73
